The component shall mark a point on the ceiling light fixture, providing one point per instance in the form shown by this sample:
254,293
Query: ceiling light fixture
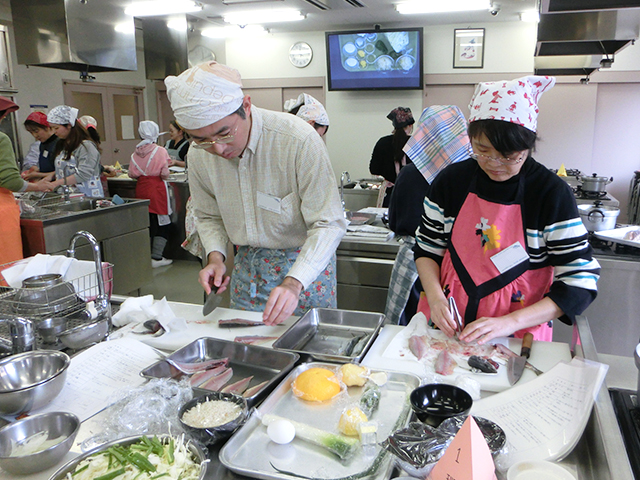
234,31
263,16
530,16
162,7
178,24
440,6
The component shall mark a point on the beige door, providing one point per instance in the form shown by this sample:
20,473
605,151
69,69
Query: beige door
118,111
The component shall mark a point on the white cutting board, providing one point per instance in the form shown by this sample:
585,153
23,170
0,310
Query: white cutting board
544,355
200,326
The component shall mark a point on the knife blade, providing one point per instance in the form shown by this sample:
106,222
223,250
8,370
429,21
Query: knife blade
212,302
515,365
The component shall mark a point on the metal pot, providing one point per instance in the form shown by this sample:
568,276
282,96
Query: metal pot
594,183
597,217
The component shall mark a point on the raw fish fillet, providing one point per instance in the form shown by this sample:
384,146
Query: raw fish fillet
194,367
445,364
239,322
216,383
254,339
238,387
201,377
250,392
418,346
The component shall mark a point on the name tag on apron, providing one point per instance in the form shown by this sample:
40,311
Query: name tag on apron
510,257
269,202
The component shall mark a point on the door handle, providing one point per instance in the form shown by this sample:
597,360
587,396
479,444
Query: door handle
116,150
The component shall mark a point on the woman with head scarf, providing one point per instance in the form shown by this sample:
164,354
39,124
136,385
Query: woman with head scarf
501,234
38,126
150,165
388,158
310,110
11,181
440,139
177,145
77,161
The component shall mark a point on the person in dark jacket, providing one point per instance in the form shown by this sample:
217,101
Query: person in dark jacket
38,126
388,158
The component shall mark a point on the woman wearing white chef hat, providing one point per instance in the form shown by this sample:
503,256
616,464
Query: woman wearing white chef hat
501,234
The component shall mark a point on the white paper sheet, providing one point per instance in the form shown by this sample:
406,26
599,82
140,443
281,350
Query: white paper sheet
544,418
97,373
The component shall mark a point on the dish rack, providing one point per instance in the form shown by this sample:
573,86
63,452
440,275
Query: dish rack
81,305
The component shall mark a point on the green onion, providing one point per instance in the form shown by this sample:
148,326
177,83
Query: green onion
161,475
81,469
111,475
141,462
170,452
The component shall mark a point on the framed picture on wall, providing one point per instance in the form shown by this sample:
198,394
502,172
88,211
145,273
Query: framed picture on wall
468,48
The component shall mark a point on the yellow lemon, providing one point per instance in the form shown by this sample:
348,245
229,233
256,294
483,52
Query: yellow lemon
316,385
349,421
353,375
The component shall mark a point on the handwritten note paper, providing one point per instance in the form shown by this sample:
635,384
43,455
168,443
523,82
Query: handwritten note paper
96,374
544,419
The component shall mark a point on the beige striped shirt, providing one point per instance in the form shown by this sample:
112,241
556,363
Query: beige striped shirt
286,159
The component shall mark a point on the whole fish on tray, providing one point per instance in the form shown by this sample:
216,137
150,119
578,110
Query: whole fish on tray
239,322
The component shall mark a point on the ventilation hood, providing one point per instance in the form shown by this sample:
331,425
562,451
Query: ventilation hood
80,35
592,31
165,45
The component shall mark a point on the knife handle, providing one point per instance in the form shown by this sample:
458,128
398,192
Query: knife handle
527,341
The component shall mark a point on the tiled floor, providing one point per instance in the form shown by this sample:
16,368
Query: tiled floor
178,282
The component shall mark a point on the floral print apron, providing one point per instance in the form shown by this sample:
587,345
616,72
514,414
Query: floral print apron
91,188
257,271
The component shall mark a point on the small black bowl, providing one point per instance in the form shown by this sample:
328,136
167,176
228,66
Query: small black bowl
210,435
436,402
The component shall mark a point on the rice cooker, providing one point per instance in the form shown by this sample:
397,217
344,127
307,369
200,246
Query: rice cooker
595,183
596,217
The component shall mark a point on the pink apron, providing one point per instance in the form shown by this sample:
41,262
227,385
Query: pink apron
481,230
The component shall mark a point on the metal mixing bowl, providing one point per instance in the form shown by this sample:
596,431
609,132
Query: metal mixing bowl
50,328
56,424
31,380
85,335
44,295
197,454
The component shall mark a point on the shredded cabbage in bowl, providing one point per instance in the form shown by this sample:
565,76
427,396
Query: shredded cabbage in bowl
168,458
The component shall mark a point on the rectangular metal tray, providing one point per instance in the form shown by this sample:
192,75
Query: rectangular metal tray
332,335
250,452
617,235
265,364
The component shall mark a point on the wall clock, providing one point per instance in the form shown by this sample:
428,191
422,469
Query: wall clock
300,54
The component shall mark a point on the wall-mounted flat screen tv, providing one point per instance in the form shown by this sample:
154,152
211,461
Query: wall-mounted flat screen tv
386,59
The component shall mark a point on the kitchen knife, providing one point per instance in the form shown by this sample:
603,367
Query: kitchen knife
515,365
212,302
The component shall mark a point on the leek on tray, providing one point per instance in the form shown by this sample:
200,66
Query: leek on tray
341,445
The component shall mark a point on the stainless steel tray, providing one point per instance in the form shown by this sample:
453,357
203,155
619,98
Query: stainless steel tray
332,335
265,364
250,452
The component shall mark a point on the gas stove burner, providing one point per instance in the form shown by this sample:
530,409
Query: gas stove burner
579,193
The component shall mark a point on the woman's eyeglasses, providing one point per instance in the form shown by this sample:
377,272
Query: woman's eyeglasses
502,160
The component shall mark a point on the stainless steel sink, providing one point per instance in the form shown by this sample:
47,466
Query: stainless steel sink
75,206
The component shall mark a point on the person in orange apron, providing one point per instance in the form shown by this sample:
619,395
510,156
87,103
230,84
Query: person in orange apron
501,234
11,181
150,165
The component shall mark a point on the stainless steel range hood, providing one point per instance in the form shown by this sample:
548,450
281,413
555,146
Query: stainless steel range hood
592,29
81,35
165,45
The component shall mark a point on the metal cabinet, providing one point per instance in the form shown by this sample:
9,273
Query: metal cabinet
363,273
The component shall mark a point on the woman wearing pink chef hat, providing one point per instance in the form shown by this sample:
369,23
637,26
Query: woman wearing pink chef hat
500,233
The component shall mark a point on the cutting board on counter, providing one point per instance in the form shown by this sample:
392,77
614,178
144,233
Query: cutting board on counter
200,326
544,355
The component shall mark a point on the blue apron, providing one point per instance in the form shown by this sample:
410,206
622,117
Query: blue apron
257,271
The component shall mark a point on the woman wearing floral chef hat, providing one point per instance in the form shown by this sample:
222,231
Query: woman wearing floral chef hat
310,110
501,234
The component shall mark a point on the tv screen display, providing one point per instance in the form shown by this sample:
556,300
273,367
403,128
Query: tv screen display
387,59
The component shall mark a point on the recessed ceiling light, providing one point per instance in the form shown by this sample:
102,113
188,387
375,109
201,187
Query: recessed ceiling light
263,16
530,16
162,7
439,6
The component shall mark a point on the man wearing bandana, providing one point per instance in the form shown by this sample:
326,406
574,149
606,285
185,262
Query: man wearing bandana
262,180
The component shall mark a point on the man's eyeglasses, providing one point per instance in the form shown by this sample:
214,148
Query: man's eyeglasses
222,140
502,160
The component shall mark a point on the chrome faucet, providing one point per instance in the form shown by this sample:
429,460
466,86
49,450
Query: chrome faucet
102,301
23,337
65,173
345,176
